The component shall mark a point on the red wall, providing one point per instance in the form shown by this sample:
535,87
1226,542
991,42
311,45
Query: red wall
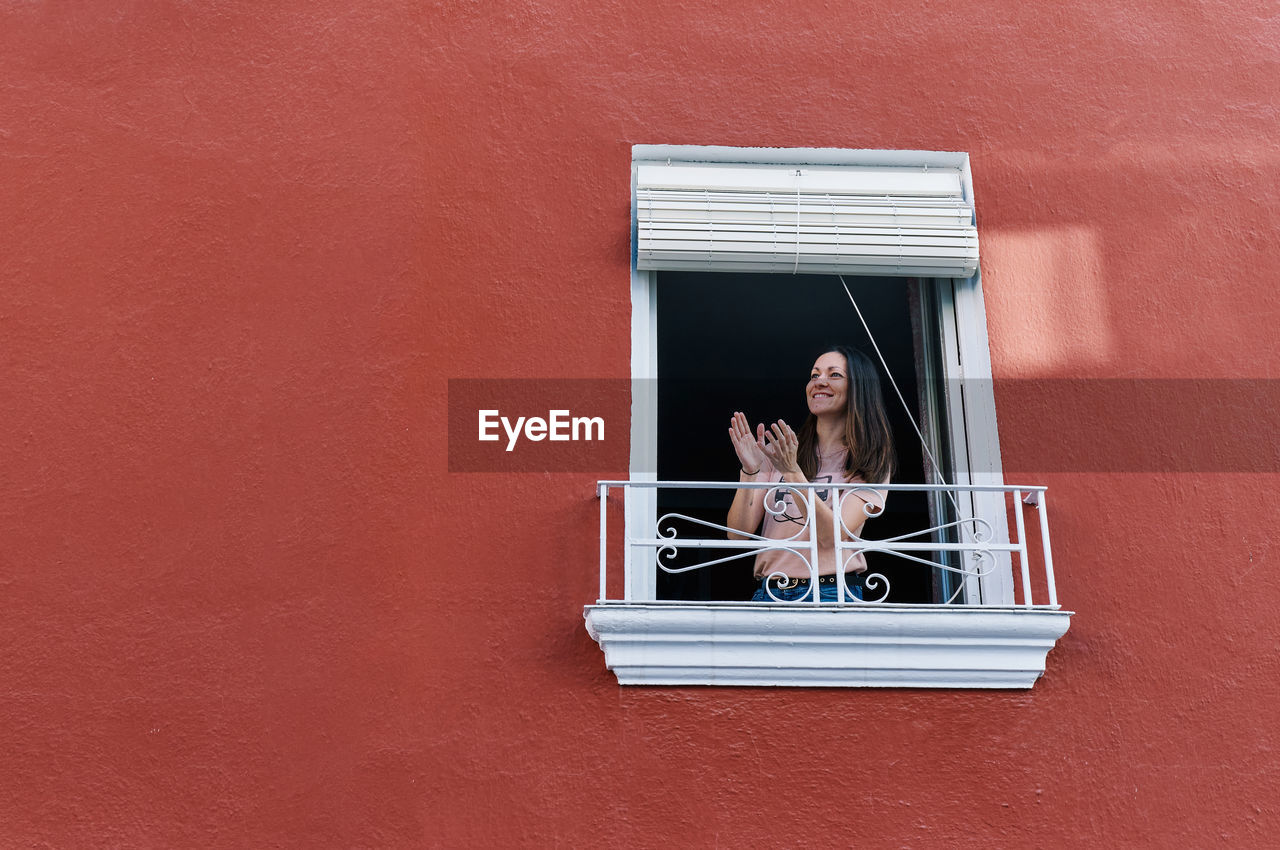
243,602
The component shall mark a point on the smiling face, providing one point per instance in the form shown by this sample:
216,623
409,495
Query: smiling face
828,388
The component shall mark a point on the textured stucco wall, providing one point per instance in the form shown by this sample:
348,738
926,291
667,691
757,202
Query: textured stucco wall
243,601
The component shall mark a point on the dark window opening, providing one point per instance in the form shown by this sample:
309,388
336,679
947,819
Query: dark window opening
746,342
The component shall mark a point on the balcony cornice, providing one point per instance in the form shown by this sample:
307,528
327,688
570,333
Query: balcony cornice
888,646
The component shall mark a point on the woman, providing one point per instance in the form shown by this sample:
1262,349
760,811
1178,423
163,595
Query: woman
846,438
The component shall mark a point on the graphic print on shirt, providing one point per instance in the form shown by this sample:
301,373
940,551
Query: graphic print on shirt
790,513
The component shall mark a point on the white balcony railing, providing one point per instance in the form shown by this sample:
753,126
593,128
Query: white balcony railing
980,535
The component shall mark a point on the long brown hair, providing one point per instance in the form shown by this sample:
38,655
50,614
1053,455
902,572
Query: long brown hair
867,435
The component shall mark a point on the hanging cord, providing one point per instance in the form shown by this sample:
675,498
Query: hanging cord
907,408
924,444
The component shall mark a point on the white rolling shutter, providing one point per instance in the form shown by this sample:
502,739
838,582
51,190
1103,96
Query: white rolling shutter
801,219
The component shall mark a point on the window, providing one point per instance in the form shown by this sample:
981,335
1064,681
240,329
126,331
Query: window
747,224
731,340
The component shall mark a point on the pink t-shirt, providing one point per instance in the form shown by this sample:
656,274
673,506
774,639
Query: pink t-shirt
789,520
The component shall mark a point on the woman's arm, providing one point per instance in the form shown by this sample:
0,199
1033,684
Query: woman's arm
854,509
747,509
780,445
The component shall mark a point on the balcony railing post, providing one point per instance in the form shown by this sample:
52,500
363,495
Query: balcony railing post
1022,547
1043,507
836,541
811,499
626,549
604,541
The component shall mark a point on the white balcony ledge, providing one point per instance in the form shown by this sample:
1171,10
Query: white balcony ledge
882,646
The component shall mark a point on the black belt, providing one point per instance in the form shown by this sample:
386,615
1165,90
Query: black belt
787,583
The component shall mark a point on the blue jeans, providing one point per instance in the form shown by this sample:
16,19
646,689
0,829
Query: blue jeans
802,593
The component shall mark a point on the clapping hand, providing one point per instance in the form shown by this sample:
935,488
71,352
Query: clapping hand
749,447
780,444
